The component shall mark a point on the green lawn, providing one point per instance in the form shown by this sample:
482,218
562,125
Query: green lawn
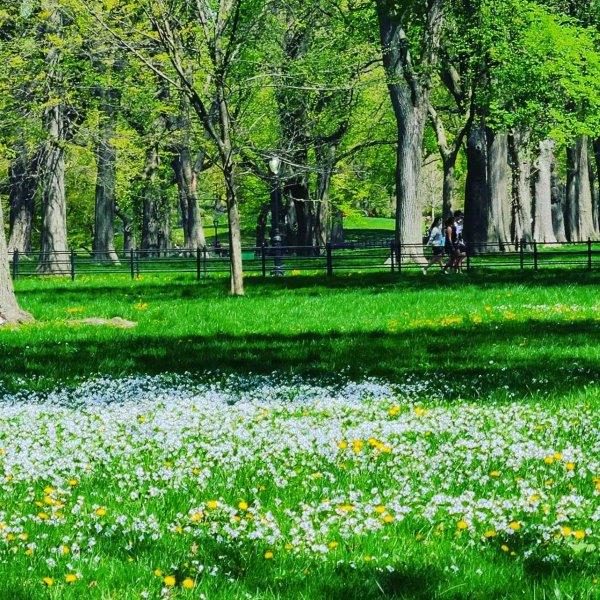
257,473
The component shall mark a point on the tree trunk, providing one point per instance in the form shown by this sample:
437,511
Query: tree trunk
322,227
488,205
106,157
186,176
521,223
597,188
128,232
155,209
22,188
235,237
558,205
54,257
543,230
409,95
449,186
579,223
9,308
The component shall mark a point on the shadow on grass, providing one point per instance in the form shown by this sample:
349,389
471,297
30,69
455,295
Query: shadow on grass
556,357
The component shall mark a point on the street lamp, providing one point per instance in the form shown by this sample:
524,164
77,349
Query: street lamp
276,239
216,224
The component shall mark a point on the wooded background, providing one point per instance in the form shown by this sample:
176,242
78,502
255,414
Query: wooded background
134,123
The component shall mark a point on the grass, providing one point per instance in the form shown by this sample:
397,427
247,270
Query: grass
481,347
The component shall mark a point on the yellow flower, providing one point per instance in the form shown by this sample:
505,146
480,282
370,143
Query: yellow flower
549,460
48,581
70,578
462,524
566,531
333,545
515,525
243,505
43,516
288,546
158,572
368,558
558,456
579,534
380,509
393,411
420,412
570,466
490,533
64,550
347,507
504,548
495,474
141,306
169,581
188,583
100,511
196,516
357,445
342,445
212,504
388,519
29,552
73,482
268,555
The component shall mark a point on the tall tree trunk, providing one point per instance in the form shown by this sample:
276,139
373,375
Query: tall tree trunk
106,159
326,159
409,95
579,223
155,213
9,308
499,178
54,257
543,230
558,195
521,225
186,175
597,187
128,230
22,187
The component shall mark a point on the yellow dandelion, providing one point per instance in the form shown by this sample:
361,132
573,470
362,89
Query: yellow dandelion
495,474
169,581
196,516
188,583
243,505
420,412
268,555
100,511
158,573
504,548
73,482
549,460
70,578
393,411
289,546
64,550
515,525
342,445
558,456
48,581
490,533
388,519
579,534
212,504
333,545
566,531
570,466
357,446
43,516
347,507
380,509
462,524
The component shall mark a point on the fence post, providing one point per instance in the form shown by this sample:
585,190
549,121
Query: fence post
72,265
392,253
131,263
15,264
535,255
204,260
521,253
589,253
263,259
198,263
329,260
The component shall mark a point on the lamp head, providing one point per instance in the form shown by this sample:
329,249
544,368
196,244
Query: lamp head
275,165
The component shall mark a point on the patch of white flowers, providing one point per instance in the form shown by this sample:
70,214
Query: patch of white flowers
272,466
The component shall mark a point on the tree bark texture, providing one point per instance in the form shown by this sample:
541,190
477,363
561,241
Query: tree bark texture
106,159
579,220
9,308
558,195
54,258
521,223
155,210
488,205
22,176
543,229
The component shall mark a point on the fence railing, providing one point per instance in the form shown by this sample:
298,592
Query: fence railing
294,260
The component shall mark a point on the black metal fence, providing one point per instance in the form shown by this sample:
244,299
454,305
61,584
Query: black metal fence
295,260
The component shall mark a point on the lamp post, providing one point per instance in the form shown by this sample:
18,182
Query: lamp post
276,239
216,224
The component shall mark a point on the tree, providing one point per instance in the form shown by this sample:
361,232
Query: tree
410,38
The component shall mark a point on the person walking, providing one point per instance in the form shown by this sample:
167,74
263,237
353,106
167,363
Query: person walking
436,241
450,242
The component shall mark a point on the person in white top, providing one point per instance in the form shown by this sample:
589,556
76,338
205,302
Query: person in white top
436,241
